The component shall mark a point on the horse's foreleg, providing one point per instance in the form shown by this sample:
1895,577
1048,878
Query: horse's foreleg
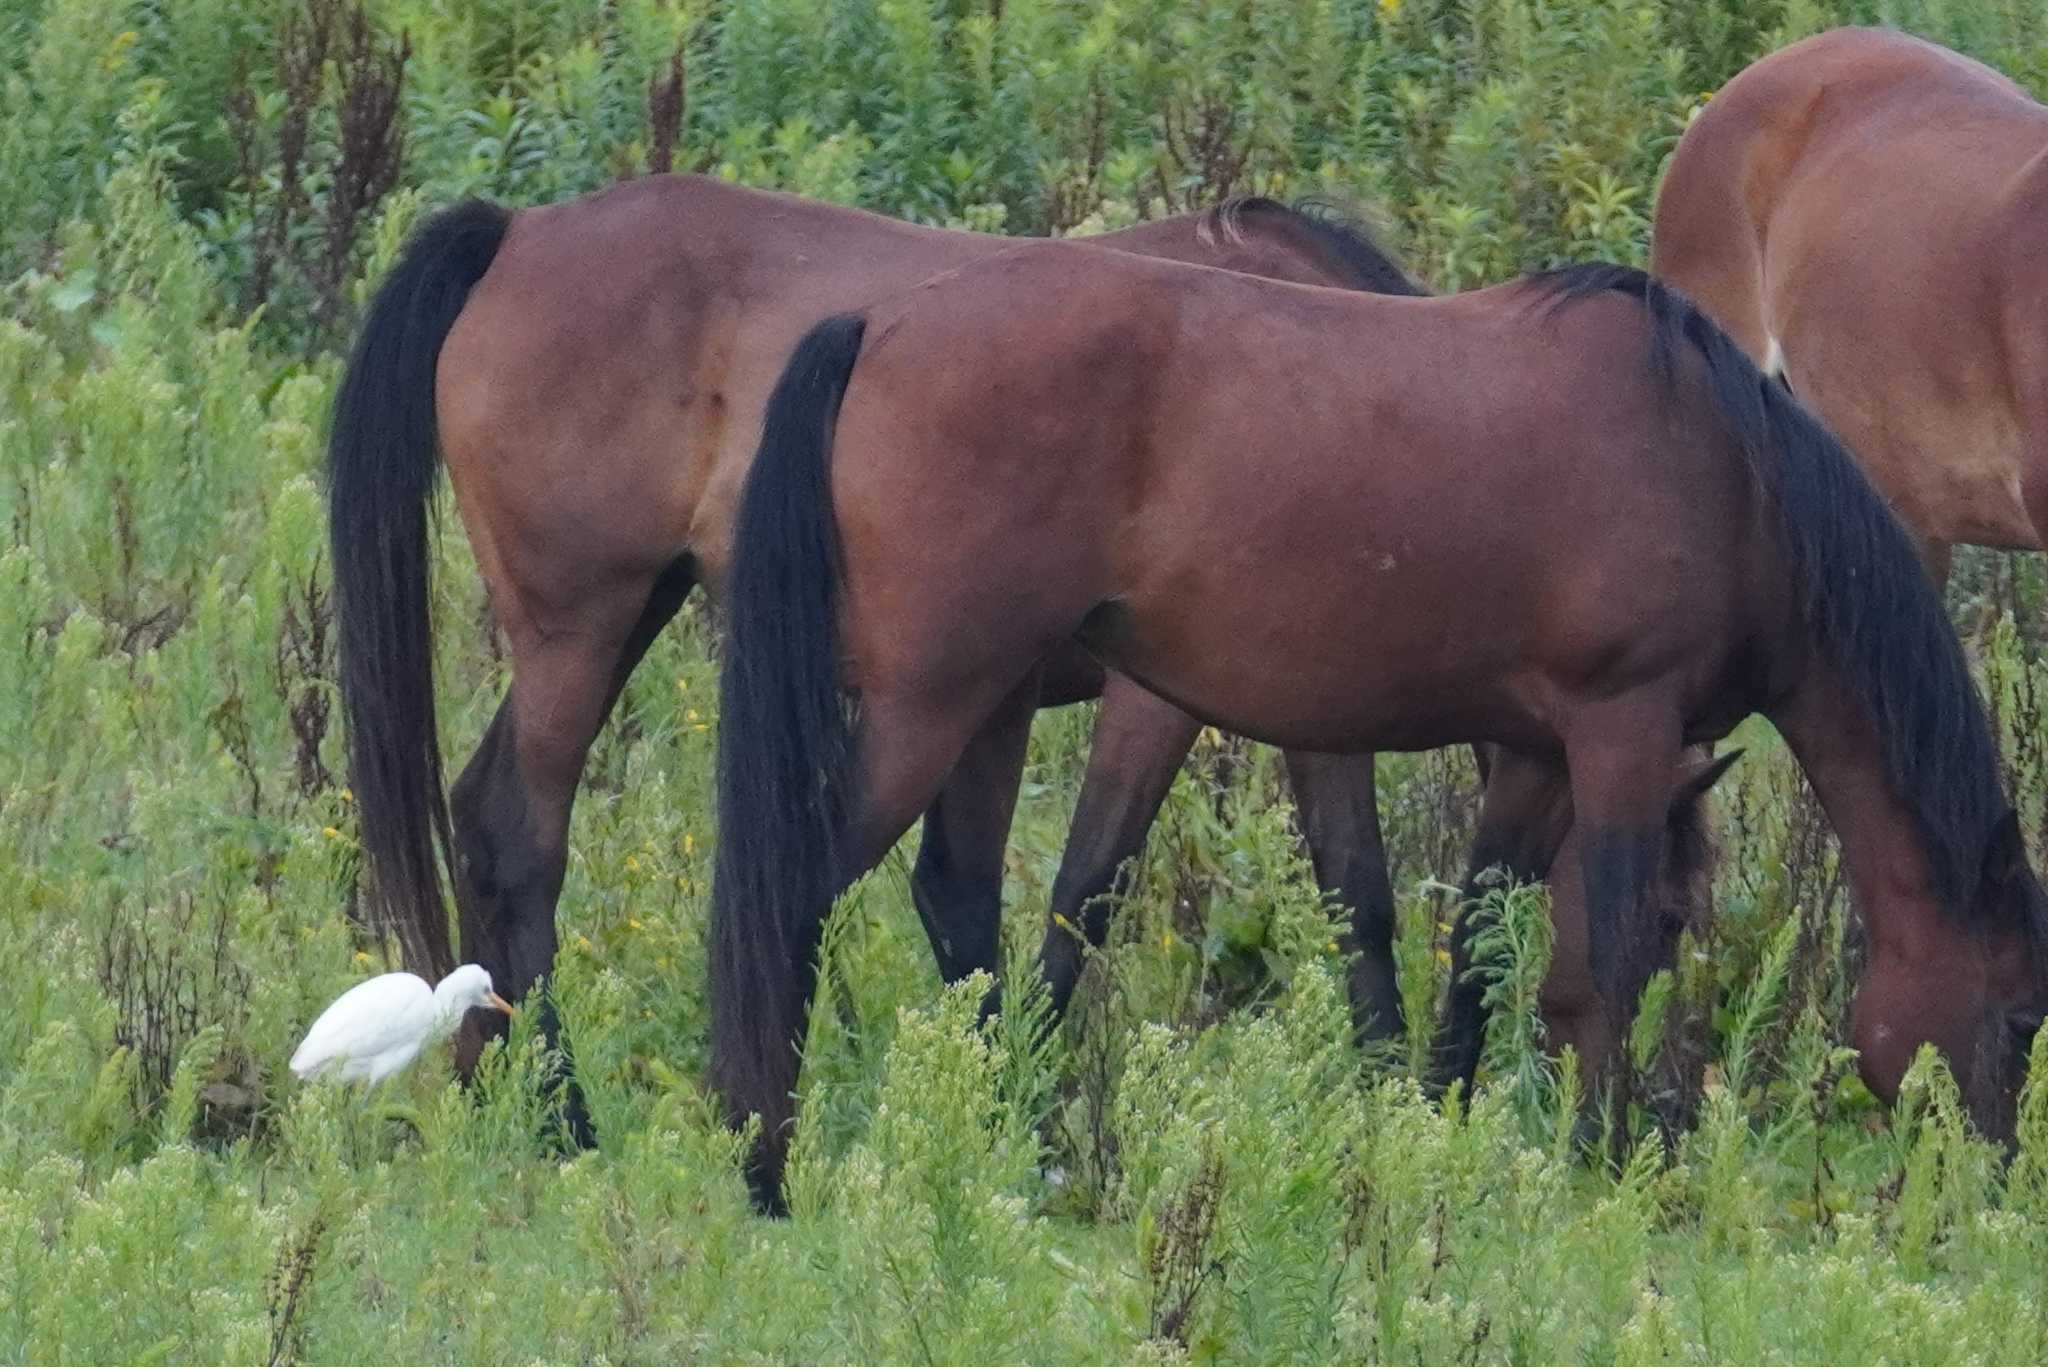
957,883
1622,756
1523,818
510,809
1340,823
1139,743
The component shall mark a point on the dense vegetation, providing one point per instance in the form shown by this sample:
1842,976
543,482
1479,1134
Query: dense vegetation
193,196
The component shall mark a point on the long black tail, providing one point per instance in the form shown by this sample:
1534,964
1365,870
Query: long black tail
784,741
1867,598
382,458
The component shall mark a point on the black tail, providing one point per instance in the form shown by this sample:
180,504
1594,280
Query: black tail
783,740
381,462
1866,596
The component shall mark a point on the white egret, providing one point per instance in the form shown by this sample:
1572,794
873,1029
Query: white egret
378,1027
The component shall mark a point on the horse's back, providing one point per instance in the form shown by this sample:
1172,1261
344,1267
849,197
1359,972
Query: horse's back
601,394
1134,442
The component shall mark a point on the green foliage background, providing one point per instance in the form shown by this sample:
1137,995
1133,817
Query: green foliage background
1201,1168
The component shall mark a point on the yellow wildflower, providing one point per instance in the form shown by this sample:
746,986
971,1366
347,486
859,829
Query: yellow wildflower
362,956
634,924
682,683
689,714
632,863
118,49
1331,947
583,943
701,726
1166,940
348,795
1062,922
1390,9
689,843
331,832
1443,956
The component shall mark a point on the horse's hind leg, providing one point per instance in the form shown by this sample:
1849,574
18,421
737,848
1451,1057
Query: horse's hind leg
510,809
957,883
1140,741
1340,823
903,749
1523,818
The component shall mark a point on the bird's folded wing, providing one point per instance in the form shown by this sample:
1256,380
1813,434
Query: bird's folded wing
368,1019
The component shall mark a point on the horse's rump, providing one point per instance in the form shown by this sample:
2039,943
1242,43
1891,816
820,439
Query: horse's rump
1862,211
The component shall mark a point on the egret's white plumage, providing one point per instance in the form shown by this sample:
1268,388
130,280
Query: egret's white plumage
378,1027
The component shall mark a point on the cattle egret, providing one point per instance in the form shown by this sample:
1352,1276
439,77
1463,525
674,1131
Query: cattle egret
378,1027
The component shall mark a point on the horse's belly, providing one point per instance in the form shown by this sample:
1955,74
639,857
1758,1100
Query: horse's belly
1344,668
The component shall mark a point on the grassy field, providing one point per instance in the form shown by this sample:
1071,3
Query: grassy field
193,199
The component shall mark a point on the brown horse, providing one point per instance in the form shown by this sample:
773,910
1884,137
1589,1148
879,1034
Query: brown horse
1566,515
1865,213
593,374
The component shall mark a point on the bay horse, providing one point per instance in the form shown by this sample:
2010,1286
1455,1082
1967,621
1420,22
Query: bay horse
1865,213
1566,515
593,373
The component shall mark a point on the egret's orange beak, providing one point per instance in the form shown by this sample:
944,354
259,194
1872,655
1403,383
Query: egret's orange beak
497,1002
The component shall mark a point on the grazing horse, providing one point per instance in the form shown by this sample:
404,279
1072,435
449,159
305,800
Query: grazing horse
593,373
1566,515
1865,213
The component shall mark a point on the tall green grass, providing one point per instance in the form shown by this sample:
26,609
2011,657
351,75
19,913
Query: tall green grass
1199,1167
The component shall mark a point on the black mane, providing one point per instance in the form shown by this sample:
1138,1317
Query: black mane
1864,593
1341,236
